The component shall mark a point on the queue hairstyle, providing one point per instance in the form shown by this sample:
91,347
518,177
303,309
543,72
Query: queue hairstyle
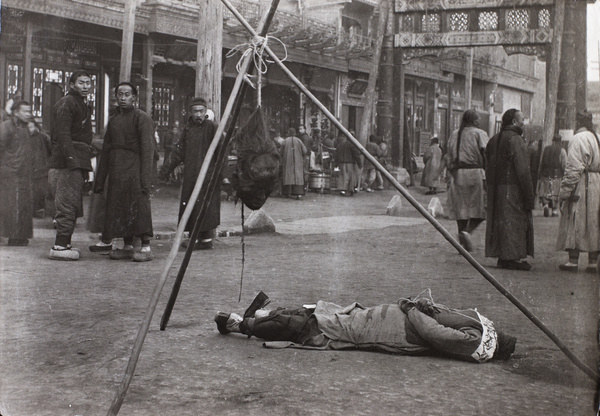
78,74
509,116
133,87
18,104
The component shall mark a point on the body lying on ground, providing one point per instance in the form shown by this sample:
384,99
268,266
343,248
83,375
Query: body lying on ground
408,327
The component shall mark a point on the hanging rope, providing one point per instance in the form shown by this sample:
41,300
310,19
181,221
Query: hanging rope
256,47
243,257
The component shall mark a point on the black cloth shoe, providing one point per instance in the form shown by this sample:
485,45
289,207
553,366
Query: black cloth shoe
514,265
221,319
18,242
568,268
203,245
100,248
260,301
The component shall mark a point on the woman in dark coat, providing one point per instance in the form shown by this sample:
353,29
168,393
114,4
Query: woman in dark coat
509,233
126,158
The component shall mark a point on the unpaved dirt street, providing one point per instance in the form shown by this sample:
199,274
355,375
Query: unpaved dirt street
67,329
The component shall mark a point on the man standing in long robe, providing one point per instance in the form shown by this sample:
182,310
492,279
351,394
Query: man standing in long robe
126,159
579,197
433,167
465,163
509,233
293,151
190,149
16,171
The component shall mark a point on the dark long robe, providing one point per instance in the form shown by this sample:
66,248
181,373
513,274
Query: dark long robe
190,149
509,232
16,171
126,159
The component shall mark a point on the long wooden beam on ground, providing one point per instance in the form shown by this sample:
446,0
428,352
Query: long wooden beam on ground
139,342
487,275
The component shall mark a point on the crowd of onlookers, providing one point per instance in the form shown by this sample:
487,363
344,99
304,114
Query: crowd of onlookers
487,179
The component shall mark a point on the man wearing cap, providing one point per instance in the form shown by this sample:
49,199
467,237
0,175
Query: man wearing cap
190,149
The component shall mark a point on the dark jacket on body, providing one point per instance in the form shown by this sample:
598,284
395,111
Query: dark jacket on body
71,133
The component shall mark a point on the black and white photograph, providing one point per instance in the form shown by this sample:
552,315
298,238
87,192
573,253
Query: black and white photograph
299,207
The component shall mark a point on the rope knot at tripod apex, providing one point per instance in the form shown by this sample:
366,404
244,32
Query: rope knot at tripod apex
256,47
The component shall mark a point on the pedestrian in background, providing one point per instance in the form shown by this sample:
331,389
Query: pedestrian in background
553,163
509,233
126,167
39,180
70,161
170,139
292,157
433,167
465,163
190,149
348,159
579,197
17,147
372,174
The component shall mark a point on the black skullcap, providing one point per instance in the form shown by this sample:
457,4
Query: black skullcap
198,101
584,119
505,346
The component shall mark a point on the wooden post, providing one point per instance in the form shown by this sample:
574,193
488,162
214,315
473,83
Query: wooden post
397,145
469,80
590,372
553,72
146,93
365,123
385,103
209,54
127,40
27,66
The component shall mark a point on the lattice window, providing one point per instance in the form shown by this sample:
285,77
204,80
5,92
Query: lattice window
488,21
459,22
38,88
162,104
13,81
517,18
408,24
430,23
544,18
91,98
54,76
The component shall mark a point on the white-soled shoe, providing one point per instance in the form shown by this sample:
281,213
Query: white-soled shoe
63,253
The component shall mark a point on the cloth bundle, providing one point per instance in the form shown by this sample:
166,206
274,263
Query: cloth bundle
257,167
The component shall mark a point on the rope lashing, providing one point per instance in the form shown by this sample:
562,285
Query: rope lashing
256,47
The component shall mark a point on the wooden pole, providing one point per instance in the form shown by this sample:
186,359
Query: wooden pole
147,74
469,80
365,124
27,66
127,40
487,275
216,172
553,75
139,342
553,72
386,92
209,53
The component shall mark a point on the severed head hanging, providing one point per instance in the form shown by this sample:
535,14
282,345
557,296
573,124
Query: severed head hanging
257,167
